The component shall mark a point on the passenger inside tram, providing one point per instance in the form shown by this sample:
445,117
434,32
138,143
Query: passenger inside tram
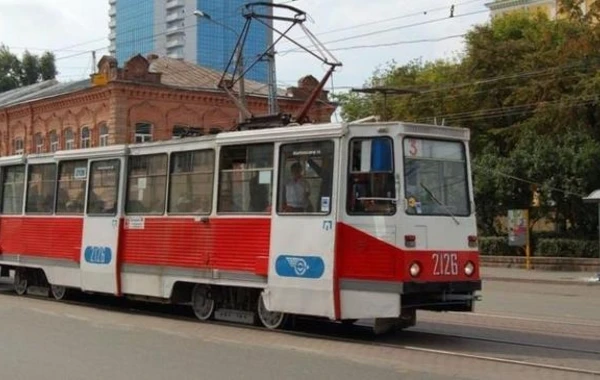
71,204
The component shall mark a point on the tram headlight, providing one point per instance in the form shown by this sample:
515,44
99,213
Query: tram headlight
415,269
469,268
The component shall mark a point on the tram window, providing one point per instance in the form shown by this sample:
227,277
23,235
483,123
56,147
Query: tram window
40,189
72,179
13,184
245,180
104,185
147,184
371,182
435,177
191,182
305,177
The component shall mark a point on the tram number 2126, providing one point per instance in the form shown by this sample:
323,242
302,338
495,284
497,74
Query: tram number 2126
445,264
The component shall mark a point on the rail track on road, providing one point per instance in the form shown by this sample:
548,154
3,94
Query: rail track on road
507,342
336,332
569,328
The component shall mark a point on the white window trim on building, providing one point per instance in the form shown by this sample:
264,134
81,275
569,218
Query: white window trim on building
54,144
18,146
86,137
103,135
39,143
69,139
141,135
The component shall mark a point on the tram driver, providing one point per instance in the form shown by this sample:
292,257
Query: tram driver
297,191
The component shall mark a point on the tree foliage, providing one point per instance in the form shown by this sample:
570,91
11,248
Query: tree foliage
30,69
527,87
48,66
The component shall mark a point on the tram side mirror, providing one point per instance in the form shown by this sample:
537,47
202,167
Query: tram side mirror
380,155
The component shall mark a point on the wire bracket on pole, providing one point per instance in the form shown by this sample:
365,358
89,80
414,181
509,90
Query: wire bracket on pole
227,86
385,91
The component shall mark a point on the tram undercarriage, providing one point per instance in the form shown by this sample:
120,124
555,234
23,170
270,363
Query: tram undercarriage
243,305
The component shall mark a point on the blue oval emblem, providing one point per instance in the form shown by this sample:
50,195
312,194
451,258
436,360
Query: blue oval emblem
299,266
98,255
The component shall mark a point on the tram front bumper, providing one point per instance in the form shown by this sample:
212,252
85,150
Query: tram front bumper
441,296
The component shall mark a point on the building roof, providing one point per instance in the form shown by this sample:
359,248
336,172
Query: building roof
183,74
174,73
42,90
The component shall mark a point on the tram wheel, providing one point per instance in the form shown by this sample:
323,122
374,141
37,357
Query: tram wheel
272,320
202,303
58,292
21,283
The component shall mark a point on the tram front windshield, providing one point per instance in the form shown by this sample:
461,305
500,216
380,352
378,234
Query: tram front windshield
435,176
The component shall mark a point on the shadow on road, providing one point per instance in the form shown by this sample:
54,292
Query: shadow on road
429,335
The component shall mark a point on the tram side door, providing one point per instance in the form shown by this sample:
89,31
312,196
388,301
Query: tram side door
301,260
101,225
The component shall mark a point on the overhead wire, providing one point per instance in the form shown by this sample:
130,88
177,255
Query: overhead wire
395,18
68,48
395,28
524,180
388,44
518,75
145,38
153,37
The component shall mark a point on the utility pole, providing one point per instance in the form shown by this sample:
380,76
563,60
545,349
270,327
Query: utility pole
273,106
239,58
240,66
93,61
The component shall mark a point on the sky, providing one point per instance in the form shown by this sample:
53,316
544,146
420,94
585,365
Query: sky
73,28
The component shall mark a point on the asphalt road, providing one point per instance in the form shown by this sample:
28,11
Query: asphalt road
48,340
540,300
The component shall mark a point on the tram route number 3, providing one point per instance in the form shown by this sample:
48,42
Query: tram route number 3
445,264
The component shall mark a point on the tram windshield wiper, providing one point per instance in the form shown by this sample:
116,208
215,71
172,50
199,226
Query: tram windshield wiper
439,202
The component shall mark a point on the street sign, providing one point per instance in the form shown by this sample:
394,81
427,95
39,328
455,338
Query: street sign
518,232
518,220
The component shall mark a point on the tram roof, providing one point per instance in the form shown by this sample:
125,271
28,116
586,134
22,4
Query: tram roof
288,133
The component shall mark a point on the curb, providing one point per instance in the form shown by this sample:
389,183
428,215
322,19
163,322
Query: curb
541,281
552,264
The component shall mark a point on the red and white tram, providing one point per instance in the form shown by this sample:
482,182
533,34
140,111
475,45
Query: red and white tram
340,221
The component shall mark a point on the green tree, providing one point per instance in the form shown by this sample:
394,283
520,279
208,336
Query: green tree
10,70
415,75
48,66
573,10
562,167
30,71
526,86
15,72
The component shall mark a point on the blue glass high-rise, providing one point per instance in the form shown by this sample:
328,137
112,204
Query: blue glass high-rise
170,28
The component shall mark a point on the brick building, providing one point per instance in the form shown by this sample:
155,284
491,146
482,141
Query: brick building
550,8
149,99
